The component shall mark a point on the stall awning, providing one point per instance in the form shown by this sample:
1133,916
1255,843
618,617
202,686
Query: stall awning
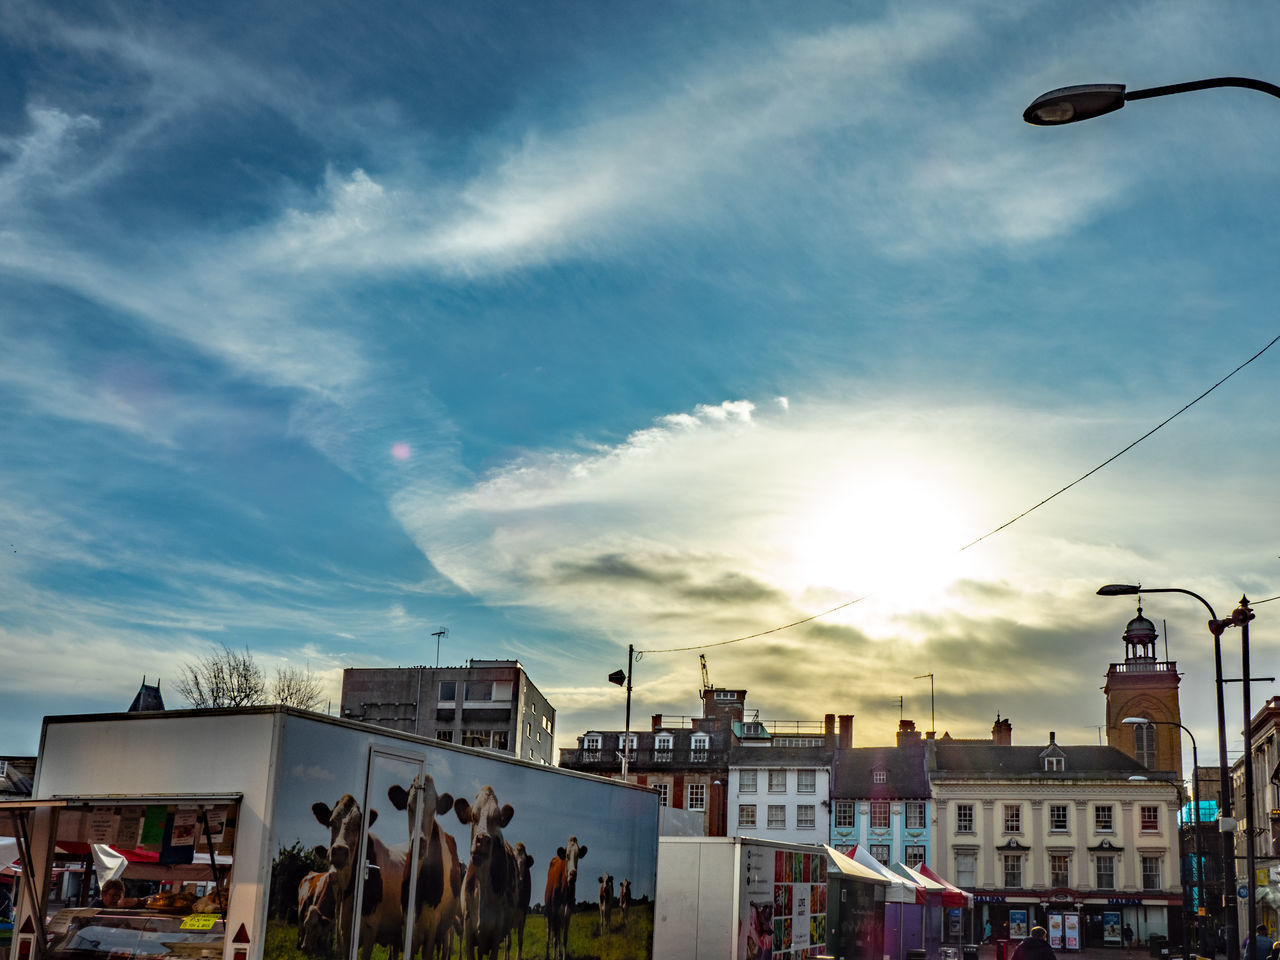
901,890
955,897
931,887
851,868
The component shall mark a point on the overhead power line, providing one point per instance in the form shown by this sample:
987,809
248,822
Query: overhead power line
1005,525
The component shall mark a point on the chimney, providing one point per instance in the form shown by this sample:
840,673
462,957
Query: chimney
1051,737
846,731
829,731
657,721
1002,733
907,732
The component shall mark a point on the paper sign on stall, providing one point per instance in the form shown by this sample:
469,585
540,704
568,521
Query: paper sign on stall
129,829
102,825
184,828
216,818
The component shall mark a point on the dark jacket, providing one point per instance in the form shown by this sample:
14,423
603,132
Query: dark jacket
1033,948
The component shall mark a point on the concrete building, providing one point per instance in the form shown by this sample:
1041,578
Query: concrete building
487,703
880,800
780,780
1086,832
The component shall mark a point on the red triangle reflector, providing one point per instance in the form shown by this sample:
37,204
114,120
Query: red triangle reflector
28,926
242,935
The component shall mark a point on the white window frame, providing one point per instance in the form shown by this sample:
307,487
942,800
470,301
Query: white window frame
664,794
777,777
846,813
964,818
914,815
1109,860
1149,817
1011,817
914,854
967,870
879,776
698,790
877,808
806,817
1152,879
745,819
806,781
881,852
1104,818
1063,875
1059,824
1011,867
699,745
777,816
748,781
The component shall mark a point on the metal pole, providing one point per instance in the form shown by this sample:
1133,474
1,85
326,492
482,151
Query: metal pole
626,737
1241,616
1229,908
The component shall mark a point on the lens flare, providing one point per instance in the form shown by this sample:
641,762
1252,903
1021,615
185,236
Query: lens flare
401,451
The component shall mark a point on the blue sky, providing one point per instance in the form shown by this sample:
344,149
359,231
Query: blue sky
568,326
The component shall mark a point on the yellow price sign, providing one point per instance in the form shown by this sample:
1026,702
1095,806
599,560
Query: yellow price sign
199,921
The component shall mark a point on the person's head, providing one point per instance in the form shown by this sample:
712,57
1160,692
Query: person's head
1260,929
1040,933
112,892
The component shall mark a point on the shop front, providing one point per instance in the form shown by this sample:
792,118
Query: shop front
1147,915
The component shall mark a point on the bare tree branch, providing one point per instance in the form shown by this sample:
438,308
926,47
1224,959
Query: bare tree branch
227,679
296,688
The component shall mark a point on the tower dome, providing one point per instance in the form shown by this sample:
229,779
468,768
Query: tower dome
1140,639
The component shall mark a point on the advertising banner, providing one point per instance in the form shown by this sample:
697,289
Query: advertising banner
1018,929
1072,932
1111,926
1055,931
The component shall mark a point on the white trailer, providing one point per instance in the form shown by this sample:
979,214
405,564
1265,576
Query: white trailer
738,898
276,834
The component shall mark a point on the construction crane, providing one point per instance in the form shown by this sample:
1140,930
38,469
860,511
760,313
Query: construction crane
706,677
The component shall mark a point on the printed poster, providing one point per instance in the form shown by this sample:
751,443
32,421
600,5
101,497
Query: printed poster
1072,924
102,825
129,830
1111,926
184,828
1055,931
1018,929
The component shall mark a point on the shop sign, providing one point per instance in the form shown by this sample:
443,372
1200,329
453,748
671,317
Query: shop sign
1124,901
988,898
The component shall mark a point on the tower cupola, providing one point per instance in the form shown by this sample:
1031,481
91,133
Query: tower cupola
1140,640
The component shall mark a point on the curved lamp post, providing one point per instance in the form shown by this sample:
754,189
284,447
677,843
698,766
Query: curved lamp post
1089,100
1195,794
1225,824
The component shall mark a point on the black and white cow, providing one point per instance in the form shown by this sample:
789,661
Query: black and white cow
489,887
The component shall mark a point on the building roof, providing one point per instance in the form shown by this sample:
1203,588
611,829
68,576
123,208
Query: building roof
779,756
18,775
147,698
853,774
970,761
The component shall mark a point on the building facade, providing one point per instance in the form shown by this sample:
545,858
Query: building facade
487,703
880,800
1082,831
780,782
1144,686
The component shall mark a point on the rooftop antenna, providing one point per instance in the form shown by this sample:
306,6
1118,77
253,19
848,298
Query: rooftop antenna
1099,727
442,632
899,709
706,677
933,722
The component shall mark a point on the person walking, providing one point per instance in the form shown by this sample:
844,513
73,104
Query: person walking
1035,947
986,932
1127,936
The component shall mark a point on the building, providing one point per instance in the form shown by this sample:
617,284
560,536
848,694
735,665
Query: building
16,777
487,703
880,799
715,764
1087,832
1261,818
147,698
780,780
1143,686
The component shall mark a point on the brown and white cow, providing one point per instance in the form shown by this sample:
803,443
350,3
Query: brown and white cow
606,902
489,887
381,915
524,888
624,901
562,887
316,912
437,897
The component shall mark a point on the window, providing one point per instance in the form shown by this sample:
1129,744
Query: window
844,813
1150,873
798,742
777,816
880,852
806,781
879,776
448,691
1058,819
499,741
1059,870
697,796
528,729
623,742
662,745
915,855
475,738
591,746
698,747
664,794
804,816
1149,817
726,694
1012,870
746,815
4,768
1106,871
747,781
964,818
1144,736
1054,764
531,753
479,690
777,781
445,735
915,814
879,814
966,870
1012,818
1102,819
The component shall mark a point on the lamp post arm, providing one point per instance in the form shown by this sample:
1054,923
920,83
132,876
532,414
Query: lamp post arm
1247,82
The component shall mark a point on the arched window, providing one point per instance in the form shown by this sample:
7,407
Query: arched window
1145,743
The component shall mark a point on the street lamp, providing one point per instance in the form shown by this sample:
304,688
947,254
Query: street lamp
1225,824
1089,100
622,679
1195,795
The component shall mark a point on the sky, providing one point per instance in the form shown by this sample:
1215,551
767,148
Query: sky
574,326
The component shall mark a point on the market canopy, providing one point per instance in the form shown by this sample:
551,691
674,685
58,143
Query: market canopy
901,890
955,897
851,868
